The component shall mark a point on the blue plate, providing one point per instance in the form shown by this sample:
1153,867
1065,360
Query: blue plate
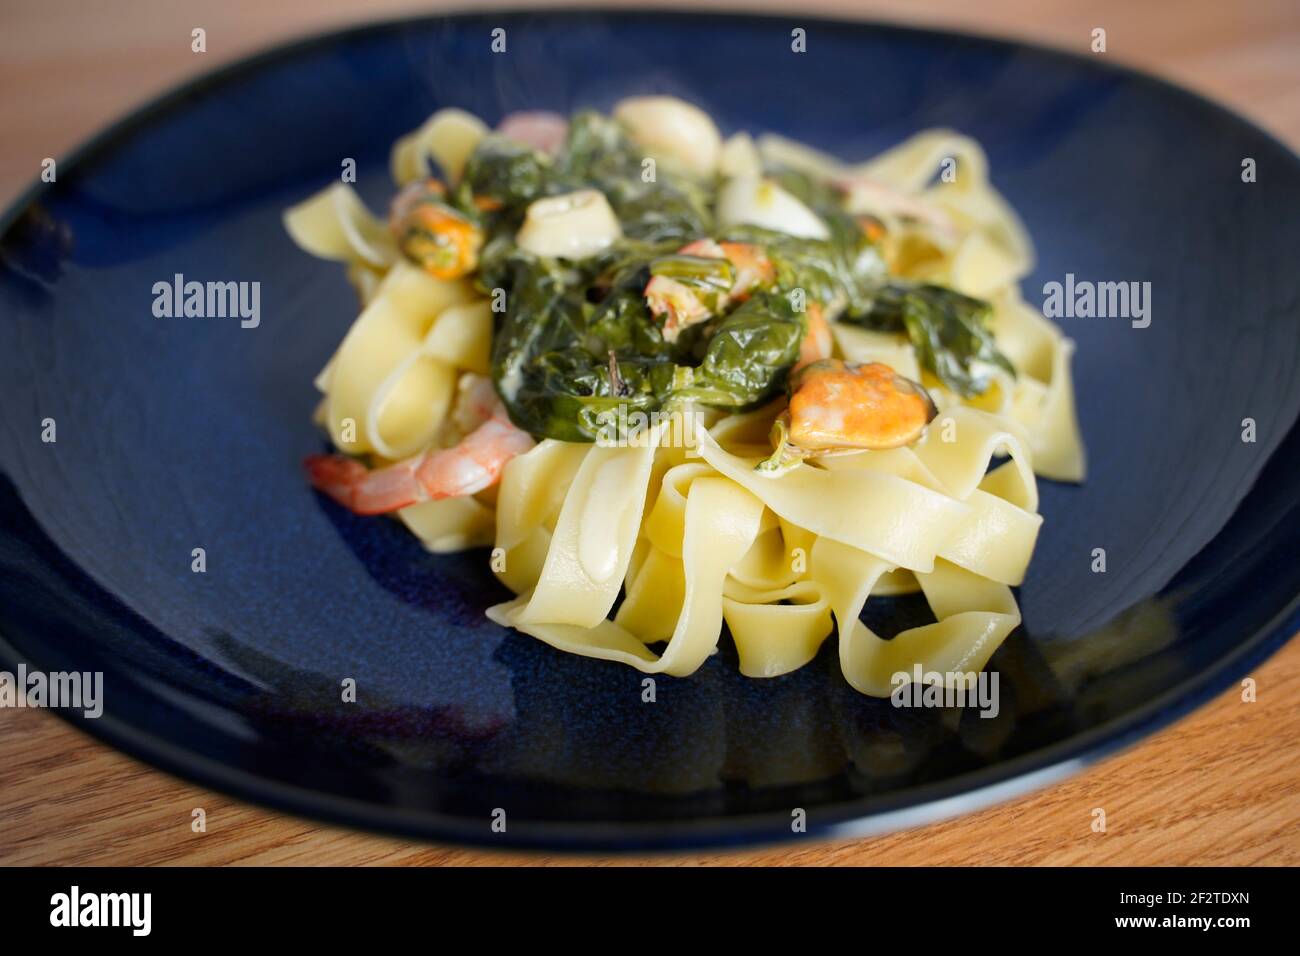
180,433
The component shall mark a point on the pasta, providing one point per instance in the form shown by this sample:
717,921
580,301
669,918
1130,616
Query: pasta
744,394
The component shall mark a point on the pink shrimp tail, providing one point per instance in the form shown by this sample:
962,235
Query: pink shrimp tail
476,463
465,469
542,130
361,490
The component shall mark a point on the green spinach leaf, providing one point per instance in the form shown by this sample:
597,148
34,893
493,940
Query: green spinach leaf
950,332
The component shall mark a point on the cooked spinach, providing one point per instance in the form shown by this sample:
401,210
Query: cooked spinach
577,339
950,332
552,348
749,354
621,324
842,272
597,153
504,172
709,279
564,394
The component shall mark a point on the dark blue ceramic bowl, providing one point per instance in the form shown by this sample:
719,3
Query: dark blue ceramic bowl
176,434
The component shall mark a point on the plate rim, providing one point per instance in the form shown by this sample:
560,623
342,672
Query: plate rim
917,806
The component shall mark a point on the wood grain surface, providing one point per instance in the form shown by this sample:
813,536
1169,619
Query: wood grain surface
1220,787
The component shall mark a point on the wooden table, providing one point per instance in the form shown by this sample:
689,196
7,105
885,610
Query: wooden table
1222,786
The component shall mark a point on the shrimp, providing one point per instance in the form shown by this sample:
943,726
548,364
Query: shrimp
817,340
467,468
542,130
681,304
677,303
704,248
753,268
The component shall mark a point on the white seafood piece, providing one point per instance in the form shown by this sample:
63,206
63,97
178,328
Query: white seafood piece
572,226
754,201
672,130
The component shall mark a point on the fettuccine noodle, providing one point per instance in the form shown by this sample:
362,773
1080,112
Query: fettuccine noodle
642,550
